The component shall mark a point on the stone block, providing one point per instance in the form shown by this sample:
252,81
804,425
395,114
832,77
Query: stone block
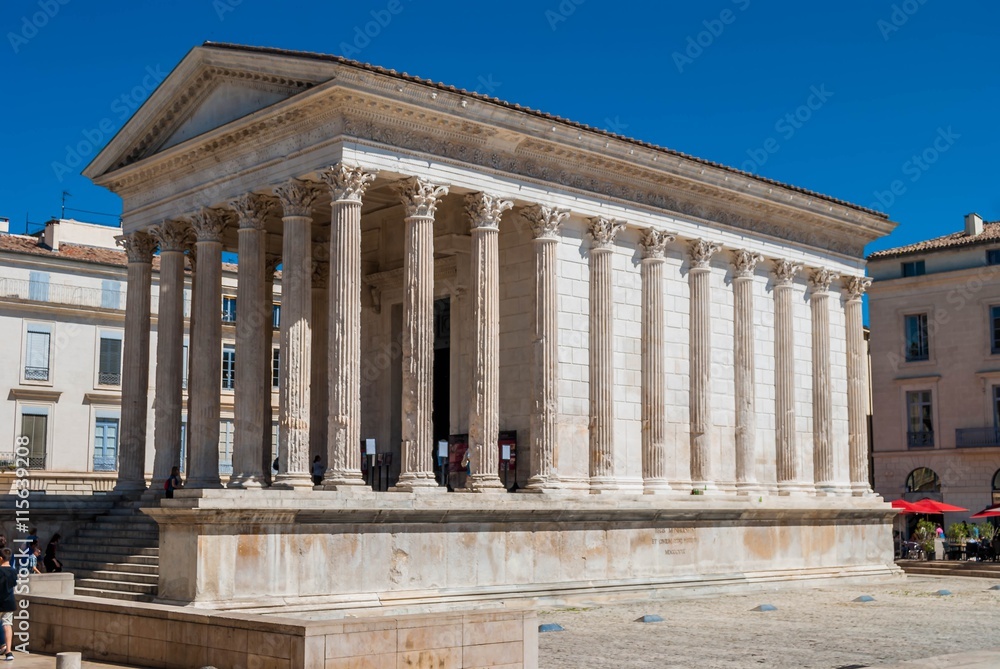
492,654
354,644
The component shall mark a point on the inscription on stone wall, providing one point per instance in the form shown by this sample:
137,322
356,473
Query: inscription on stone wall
675,540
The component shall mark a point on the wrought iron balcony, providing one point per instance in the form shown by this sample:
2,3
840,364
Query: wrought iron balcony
36,373
977,437
109,379
105,463
921,439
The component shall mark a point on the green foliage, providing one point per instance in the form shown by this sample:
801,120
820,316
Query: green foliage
956,533
987,530
924,535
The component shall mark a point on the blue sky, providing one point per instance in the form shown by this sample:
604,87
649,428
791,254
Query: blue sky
853,99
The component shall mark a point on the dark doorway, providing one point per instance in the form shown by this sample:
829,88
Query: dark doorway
441,415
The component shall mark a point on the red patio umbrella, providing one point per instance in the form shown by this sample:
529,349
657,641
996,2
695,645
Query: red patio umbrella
928,505
988,512
904,506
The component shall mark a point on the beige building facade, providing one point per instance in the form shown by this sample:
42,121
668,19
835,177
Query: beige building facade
935,342
652,334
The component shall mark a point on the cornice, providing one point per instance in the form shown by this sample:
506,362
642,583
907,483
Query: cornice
34,395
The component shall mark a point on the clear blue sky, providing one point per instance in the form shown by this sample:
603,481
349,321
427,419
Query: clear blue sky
886,80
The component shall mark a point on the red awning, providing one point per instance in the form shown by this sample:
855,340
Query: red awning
928,505
988,512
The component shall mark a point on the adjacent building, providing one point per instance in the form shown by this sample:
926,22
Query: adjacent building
935,343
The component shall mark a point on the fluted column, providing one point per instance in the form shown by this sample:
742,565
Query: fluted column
787,457
271,263
205,352
823,456
347,188
602,371
654,372
252,387
296,199
416,467
545,222
172,238
857,387
744,265
484,212
699,276
192,258
139,247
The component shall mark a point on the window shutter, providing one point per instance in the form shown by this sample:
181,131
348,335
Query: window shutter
38,350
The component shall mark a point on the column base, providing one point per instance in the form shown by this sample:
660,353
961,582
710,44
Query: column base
830,489
246,483
544,485
709,488
292,481
656,487
861,490
131,487
344,482
424,482
600,485
484,483
749,488
203,484
795,489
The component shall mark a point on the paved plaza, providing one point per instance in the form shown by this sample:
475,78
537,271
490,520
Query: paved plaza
819,628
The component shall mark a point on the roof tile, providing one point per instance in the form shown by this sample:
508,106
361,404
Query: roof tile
989,235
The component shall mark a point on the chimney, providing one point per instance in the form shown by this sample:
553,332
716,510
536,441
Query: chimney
4,224
973,224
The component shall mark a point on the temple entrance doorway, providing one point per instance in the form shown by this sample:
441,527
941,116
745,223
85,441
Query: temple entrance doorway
441,415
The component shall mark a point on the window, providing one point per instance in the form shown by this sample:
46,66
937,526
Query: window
38,286
106,445
183,462
996,488
226,447
111,294
184,367
228,367
228,309
993,257
276,317
34,426
923,480
920,421
995,329
109,372
275,367
914,268
917,342
36,358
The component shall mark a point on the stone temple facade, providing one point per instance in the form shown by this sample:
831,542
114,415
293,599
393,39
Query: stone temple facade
677,345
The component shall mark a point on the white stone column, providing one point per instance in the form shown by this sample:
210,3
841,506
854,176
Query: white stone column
484,212
545,222
253,378
139,247
192,258
744,265
823,456
172,238
602,370
700,402
296,199
654,371
271,262
787,456
347,189
857,387
421,199
204,383
319,374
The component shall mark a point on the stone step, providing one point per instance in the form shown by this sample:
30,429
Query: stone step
98,551
121,577
115,586
123,521
113,594
125,535
91,566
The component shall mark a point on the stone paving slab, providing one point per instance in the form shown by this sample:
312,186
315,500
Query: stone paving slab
983,659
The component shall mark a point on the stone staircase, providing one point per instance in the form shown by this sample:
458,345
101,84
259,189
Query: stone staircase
115,555
951,568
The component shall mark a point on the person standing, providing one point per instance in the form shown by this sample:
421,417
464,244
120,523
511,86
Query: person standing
52,563
8,579
318,470
172,483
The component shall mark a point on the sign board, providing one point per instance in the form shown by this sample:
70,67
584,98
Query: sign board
369,447
442,449
505,451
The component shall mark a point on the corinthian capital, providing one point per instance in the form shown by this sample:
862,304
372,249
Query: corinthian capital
208,224
347,184
603,231
297,197
172,235
485,210
139,246
785,271
821,279
252,210
654,243
858,286
745,262
420,197
701,252
544,221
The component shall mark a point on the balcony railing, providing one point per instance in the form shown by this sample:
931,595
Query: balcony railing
105,463
109,379
977,437
77,296
921,439
36,373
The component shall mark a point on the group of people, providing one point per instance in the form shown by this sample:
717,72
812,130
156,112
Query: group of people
13,565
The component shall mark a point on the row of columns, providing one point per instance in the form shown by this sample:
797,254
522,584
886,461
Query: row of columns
343,345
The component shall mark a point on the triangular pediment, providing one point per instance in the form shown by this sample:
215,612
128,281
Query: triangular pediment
209,89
